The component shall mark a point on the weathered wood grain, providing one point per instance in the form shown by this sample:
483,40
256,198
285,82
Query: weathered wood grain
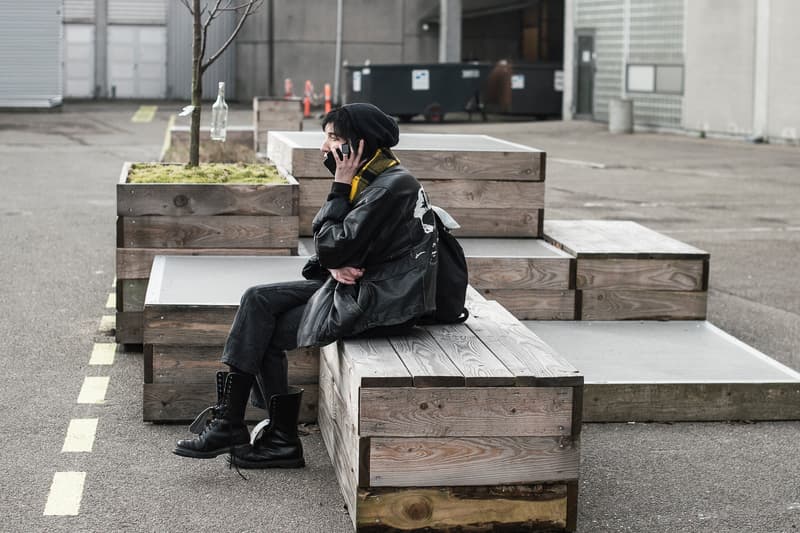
267,107
235,231
130,294
168,402
465,461
616,238
136,262
690,402
532,361
466,412
634,274
191,199
374,362
642,305
527,304
480,367
476,509
425,360
548,273
188,325
198,364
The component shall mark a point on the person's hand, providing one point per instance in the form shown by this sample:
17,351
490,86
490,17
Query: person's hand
346,275
347,166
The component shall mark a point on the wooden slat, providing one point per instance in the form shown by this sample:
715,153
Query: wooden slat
643,305
634,274
536,304
190,325
466,411
198,364
130,293
529,358
375,363
480,367
519,273
210,232
491,222
191,199
616,238
167,402
137,262
269,106
129,327
464,461
690,402
425,360
475,509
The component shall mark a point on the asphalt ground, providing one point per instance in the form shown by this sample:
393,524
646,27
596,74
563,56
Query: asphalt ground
57,210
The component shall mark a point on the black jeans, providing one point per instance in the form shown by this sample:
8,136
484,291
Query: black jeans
265,327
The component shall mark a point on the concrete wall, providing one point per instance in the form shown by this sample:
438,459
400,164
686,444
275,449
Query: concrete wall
783,92
719,74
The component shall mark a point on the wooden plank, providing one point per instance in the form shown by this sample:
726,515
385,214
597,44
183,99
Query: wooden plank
425,360
193,199
198,364
342,446
130,293
169,402
484,194
480,367
129,327
642,305
466,412
541,304
690,402
466,461
137,262
616,238
529,358
476,509
375,363
491,222
210,232
268,106
634,274
548,273
189,325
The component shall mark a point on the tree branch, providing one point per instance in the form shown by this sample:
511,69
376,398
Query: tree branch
249,8
186,3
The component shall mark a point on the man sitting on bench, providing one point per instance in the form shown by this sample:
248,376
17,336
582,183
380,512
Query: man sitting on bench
374,268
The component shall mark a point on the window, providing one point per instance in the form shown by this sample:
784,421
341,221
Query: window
642,78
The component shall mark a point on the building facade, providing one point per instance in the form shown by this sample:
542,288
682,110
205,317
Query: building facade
716,67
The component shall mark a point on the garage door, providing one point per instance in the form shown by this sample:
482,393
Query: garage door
137,59
78,60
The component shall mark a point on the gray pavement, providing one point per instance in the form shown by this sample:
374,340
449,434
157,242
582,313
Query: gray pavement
57,209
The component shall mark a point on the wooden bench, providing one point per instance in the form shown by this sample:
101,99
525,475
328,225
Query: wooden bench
471,427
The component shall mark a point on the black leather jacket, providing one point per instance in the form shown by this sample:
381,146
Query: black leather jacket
389,232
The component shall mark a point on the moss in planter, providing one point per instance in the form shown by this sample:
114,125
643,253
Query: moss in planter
205,173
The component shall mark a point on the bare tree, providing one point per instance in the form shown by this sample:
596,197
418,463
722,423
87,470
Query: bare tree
203,15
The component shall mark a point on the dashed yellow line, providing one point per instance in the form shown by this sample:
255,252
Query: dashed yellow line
93,390
107,323
145,113
111,302
103,353
80,435
65,495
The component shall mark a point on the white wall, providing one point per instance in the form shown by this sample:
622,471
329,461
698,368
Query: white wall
783,92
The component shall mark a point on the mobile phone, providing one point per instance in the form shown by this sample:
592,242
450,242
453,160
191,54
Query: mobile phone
330,160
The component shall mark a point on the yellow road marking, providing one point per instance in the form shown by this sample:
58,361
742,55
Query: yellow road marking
65,495
107,323
80,435
145,113
103,353
111,302
168,135
114,283
93,390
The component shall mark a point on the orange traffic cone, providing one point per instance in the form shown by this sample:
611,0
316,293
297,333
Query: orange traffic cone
327,97
288,88
309,90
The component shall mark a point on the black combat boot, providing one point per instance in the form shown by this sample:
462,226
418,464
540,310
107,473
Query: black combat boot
221,427
278,446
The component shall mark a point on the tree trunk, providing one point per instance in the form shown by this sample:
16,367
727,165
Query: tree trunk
197,88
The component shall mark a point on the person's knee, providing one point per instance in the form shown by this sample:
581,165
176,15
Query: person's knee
253,297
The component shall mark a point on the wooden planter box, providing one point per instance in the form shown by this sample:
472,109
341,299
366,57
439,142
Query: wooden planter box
237,148
493,188
283,114
194,219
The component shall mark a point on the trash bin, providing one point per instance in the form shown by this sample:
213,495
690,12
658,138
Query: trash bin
620,115
525,89
431,90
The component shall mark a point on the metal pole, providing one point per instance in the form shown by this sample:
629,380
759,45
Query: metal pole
101,49
449,31
338,61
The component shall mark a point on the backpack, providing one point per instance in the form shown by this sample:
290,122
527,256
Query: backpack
451,277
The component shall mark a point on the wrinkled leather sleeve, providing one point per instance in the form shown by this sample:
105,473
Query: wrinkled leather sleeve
343,232
313,270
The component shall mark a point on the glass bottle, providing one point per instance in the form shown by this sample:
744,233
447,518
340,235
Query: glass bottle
219,115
